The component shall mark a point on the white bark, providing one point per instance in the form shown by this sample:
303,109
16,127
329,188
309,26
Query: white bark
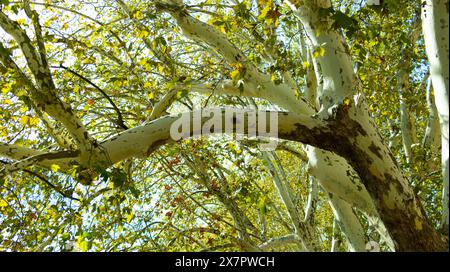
165,102
256,84
24,157
378,169
313,78
45,95
336,65
302,229
329,171
279,242
405,120
260,85
435,30
432,137
143,140
349,224
15,152
346,187
312,198
381,175
335,241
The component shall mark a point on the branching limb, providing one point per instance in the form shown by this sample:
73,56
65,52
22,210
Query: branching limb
256,83
279,242
302,229
15,152
120,122
312,198
43,159
348,223
45,96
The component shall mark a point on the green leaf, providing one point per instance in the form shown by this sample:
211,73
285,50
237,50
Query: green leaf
118,177
135,192
342,20
262,205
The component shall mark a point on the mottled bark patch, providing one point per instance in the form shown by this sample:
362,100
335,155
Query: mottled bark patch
375,150
155,145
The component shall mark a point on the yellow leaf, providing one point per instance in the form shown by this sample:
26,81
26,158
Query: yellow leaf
151,95
239,66
6,89
235,74
142,34
24,120
264,12
130,217
238,72
88,60
143,62
306,65
319,52
161,68
84,246
55,167
3,203
34,121
138,15
347,101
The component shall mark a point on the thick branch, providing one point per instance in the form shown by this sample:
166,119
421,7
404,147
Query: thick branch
45,96
435,24
279,241
256,84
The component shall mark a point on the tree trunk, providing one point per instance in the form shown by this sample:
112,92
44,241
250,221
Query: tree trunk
435,31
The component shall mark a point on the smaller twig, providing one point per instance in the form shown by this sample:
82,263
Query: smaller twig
120,121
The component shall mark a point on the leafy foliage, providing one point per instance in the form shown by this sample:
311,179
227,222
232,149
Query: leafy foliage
190,196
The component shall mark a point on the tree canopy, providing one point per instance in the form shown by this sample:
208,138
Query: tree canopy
89,91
